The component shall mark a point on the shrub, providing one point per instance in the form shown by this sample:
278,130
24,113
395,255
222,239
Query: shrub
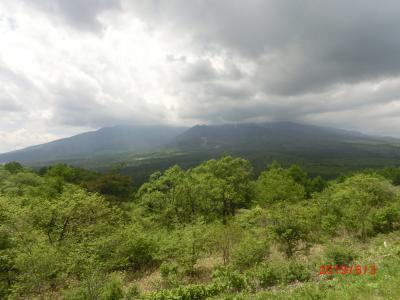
262,276
383,219
78,293
339,255
90,288
291,271
189,292
170,274
112,289
129,249
231,280
133,292
248,252
296,272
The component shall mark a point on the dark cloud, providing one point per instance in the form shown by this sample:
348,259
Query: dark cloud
325,62
298,47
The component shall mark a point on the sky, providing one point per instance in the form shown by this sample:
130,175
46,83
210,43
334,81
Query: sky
69,66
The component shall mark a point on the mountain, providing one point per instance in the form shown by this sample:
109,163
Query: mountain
276,135
140,150
105,140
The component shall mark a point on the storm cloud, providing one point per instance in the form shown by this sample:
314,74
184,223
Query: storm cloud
68,65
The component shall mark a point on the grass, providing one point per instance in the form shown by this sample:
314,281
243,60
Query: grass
383,251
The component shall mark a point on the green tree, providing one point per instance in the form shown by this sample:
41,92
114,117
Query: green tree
357,200
277,185
228,180
13,167
292,226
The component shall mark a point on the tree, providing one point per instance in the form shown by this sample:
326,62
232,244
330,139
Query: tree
311,185
215,189
161,196
229,180
277,185
292,225
112,184
355,202
13,167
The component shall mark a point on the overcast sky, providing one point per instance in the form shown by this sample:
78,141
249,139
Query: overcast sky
68,66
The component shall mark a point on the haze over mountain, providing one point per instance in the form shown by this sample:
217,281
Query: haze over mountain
105,140
262,135
282,137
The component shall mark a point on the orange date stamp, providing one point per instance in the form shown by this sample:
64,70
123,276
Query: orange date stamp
348,270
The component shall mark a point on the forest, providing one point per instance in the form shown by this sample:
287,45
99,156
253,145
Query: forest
214,231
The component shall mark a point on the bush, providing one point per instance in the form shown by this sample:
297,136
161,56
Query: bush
112,289
249,252
231,280
291,271
75,294
130,249
383,219
189,292
90,288
262,276
170,274
296,272
338,255
133,292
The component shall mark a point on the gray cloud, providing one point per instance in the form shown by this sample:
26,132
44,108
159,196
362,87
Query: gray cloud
183,62
298,47
80,14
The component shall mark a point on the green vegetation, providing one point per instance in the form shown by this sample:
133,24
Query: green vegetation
214,231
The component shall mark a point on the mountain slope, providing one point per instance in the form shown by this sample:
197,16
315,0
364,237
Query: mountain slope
276,135
120,146
105,140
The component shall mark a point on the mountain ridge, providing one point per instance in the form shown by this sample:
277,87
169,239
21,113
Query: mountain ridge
249,137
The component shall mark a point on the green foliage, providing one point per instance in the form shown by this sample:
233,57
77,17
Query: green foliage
384,218
13,167
338,255
170,274
189,292
296,272
292,226
360,204
133,292
248,252
57,239
90,288
277,185
223,238
229,181
392,174
311,185
111,184
262,276
213,190
230,279
112,289
128,248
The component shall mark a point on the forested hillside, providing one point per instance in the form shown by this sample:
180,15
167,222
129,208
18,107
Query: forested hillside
81,147
210,232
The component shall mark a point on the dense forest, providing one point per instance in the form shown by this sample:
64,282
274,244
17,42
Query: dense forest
214,231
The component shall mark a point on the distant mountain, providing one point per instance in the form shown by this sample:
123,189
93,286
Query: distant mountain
276,135
122,145
105,140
